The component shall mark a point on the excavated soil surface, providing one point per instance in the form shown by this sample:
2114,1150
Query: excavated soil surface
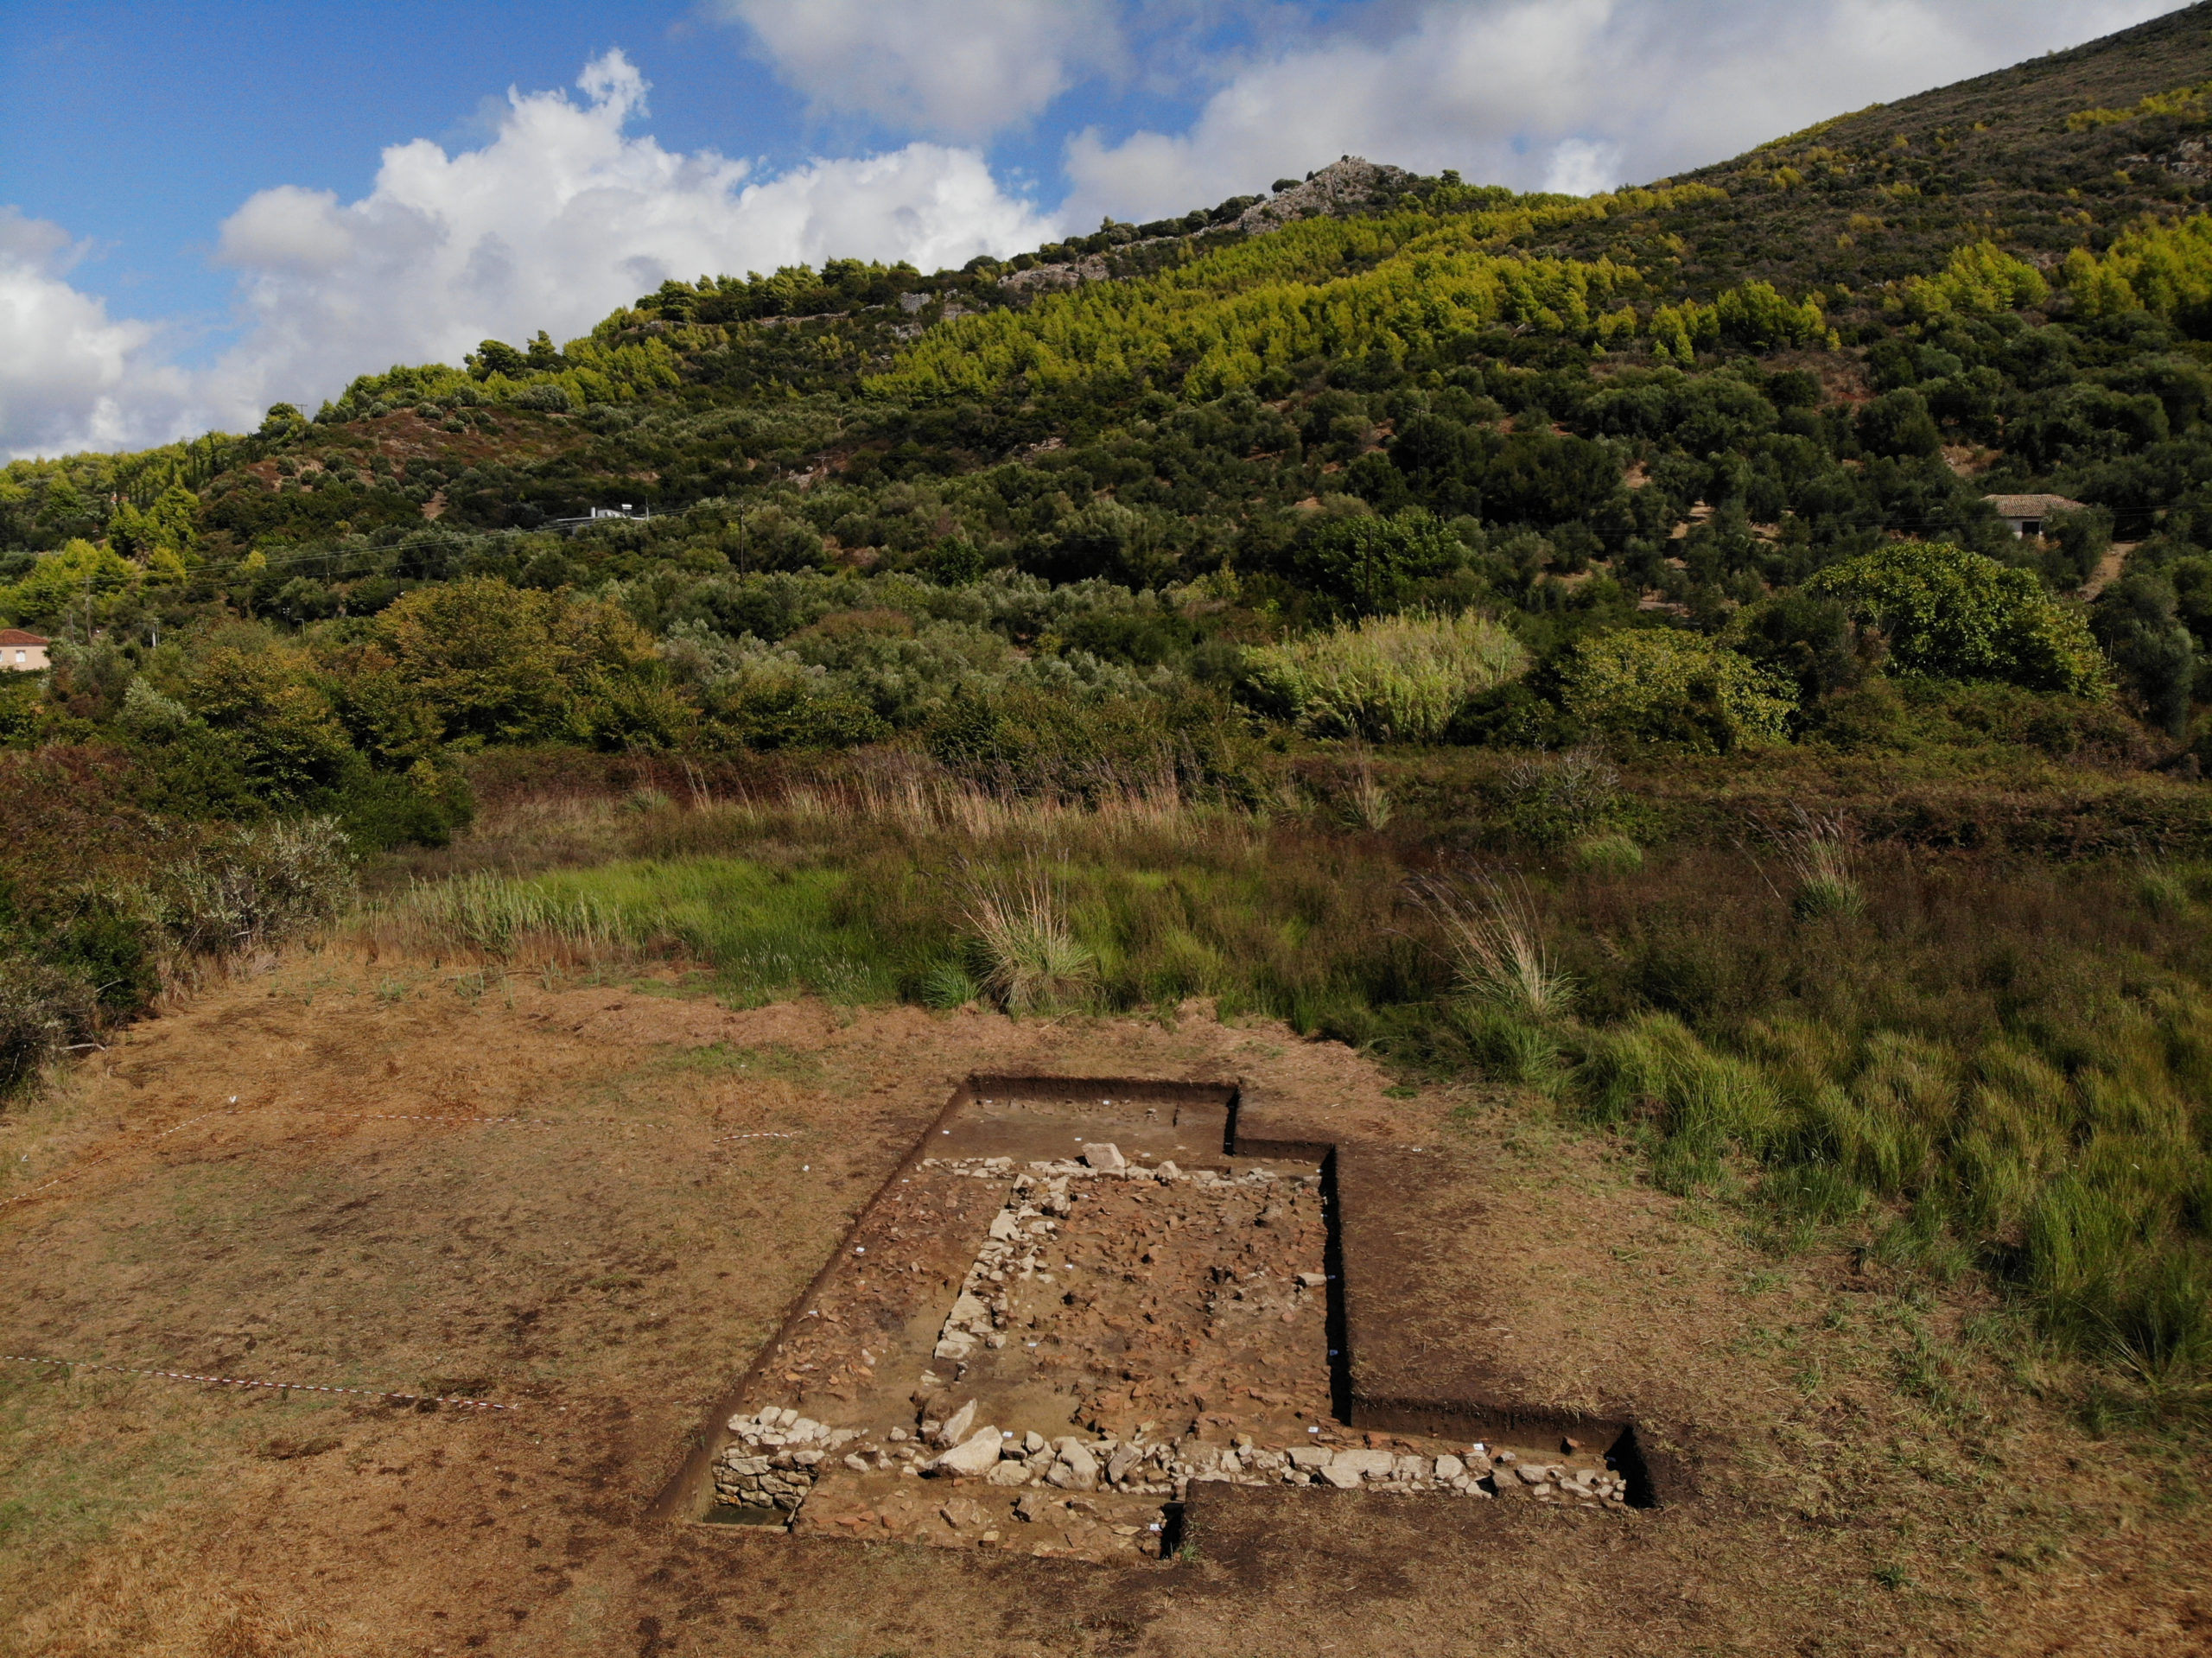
1162,1312
289,1179
1065,1345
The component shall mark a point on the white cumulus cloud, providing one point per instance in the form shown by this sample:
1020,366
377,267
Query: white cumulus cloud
1574,95
564,215
964,69
69,374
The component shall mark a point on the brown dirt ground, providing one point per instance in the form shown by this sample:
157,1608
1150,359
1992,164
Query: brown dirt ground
613,1271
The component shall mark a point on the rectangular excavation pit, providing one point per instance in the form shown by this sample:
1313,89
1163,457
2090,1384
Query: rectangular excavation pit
1089,1269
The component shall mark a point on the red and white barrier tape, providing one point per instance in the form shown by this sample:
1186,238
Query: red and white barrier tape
242,1382
25,1197
394,1117
532,1122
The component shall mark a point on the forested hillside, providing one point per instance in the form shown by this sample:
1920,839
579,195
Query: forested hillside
1468,523
1129,471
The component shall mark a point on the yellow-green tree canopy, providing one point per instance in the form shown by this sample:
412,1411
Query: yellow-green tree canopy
77,578
1659,685
1403,284
497,664
2163,269
1980,278
1955,614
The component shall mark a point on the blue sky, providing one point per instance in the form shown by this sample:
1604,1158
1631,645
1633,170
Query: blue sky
142,127
206,207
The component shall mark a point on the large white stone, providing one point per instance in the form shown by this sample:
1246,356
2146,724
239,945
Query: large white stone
955,1427
970,1310
976,1454
1076,1470
1105,1156
1368,1465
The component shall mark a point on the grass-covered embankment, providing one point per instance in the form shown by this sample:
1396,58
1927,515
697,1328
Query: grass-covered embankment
1959,1062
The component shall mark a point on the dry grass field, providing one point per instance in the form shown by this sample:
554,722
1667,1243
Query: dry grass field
288,1178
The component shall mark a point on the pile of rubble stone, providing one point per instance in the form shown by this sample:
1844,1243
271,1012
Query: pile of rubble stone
774,1462
778,1454
1013,1249
1168,1467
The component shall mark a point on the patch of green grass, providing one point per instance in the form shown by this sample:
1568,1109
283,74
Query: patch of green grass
771,1060
767,932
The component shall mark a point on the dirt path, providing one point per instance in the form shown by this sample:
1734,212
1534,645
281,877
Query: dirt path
2108,569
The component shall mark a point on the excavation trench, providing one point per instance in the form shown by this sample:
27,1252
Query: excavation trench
1075,1298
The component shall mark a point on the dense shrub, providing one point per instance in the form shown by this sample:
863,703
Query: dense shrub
2136,622
1367,564
101,936
1660,686
43,1011
1944,610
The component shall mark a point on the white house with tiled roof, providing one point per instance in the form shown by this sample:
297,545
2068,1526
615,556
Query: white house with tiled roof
22,651
2025,513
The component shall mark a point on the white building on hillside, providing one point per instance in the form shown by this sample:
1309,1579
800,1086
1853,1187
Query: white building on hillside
22,651
2025,513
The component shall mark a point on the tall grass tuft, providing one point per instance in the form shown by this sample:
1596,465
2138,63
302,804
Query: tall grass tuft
503,919
2161,1333
1701,1102
1821,856
1391,678
1033,961
2163,891
1367,803
1495,938
947,985
1553,799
